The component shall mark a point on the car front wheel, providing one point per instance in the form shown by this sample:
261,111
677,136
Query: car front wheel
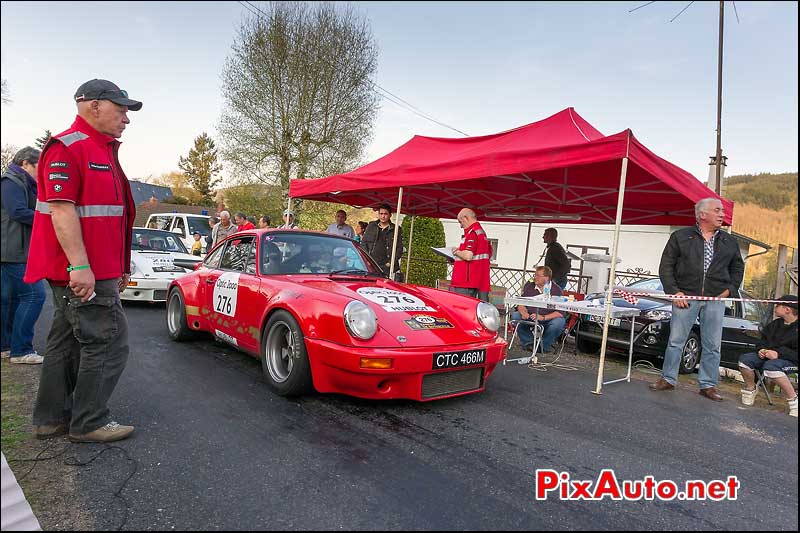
284,358
585,345
690,355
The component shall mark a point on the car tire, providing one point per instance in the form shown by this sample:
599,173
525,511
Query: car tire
690,355
585,345
177,325
284,358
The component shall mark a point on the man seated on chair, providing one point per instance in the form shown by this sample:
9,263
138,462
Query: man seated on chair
552,321
776,356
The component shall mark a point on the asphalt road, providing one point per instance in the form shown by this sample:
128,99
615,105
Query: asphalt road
214,449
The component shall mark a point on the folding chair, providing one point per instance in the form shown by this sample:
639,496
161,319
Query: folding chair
538,330
761,382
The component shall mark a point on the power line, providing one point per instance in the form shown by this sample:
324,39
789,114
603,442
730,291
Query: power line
641,6
682,10
383,93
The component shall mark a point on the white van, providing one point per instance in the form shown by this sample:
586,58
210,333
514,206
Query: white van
182,224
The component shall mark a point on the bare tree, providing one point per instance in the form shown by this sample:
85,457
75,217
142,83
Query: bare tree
6,95
298,94
8,153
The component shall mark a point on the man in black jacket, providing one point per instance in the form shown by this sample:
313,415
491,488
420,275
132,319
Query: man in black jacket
378,239
699,261
556,257
21,302
776,356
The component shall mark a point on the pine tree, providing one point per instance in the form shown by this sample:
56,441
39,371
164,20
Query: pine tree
201,166
41,141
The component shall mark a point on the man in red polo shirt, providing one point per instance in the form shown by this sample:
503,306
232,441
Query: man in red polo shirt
471,268
81,245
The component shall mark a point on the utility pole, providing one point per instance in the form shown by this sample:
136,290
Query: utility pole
718,157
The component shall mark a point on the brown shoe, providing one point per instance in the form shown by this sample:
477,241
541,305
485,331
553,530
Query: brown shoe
711,393
661,384
49,432
109,433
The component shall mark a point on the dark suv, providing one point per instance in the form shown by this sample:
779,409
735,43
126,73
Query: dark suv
741,326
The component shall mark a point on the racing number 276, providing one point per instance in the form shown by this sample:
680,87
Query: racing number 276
223,304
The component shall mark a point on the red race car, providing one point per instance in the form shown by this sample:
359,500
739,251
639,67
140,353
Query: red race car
319,314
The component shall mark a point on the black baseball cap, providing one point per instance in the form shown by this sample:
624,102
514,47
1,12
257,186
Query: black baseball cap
788,300
105,90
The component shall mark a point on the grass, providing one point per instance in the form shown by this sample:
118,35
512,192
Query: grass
14,425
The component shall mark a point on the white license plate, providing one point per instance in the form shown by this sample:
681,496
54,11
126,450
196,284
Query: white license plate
599,320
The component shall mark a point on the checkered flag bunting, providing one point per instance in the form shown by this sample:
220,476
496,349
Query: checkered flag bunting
628,297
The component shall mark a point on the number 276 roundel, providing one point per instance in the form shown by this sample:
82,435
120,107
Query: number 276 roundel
392,300
225,291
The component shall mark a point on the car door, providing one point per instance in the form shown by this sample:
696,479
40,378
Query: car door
233,295
740,332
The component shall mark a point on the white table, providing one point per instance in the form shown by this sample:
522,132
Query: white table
583,307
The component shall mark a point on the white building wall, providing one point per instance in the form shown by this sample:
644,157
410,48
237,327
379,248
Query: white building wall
639,246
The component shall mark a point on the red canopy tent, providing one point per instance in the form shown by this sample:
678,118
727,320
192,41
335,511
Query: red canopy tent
560,168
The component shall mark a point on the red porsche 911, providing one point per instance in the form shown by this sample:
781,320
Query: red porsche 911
320,315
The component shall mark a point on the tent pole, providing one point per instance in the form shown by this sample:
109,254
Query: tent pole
396,231
410,239
525,264
289,205
612,271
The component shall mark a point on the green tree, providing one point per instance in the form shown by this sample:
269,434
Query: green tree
426,265
178,182
41,141
255,199
201,166
299,99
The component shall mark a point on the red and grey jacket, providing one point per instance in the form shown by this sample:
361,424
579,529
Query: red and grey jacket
473,274
81,166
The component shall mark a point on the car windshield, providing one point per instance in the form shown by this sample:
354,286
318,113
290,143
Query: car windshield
199,225
648,285
153,240
302,253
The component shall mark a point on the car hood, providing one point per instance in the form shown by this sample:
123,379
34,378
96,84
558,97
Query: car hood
644,304
421,315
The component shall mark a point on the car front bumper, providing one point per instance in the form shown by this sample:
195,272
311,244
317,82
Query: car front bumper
336,368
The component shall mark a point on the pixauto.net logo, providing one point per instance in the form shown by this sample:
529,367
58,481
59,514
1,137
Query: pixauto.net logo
559,484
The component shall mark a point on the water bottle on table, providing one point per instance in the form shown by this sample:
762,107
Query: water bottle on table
547,292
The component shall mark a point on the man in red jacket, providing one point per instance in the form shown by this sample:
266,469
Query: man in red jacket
472,259
81,245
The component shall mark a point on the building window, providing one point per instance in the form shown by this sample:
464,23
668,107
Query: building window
493,242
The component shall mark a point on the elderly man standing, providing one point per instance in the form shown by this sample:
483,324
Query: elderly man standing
81,243
699,261
224,228
472,259
288,220
340,227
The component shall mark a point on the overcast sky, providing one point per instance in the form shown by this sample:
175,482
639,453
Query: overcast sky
478,67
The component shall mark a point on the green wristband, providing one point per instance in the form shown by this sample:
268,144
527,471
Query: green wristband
78,267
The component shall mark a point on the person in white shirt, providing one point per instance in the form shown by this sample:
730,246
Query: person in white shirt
339,227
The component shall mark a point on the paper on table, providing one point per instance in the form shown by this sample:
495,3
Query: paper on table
447,252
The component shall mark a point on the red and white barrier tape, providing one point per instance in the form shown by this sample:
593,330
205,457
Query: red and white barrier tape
630,297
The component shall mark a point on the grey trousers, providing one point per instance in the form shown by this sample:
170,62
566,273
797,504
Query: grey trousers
484,296
87,350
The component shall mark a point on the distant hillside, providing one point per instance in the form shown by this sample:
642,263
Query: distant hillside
771,191
766,210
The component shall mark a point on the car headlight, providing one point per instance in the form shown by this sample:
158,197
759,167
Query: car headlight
360,320
488,316
133,268
657,314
